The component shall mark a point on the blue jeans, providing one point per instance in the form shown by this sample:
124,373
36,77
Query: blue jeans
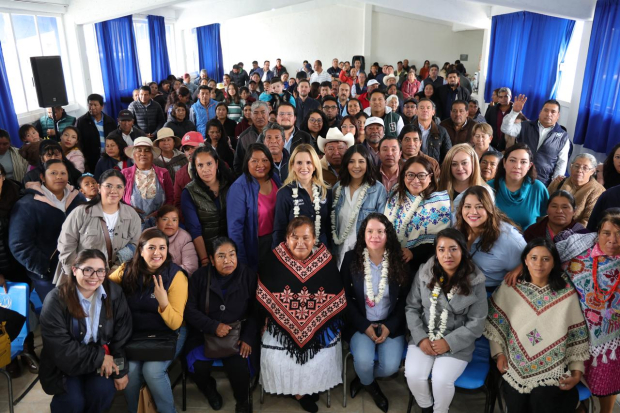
87,393
42,287
390,354
155,374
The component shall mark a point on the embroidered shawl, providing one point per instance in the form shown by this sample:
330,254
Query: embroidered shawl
304,300
426,217
541,332
603,318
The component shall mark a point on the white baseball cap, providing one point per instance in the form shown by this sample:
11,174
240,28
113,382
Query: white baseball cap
373,120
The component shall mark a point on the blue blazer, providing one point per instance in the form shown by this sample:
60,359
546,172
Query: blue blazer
242,218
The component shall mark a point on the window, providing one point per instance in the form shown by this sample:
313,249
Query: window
569,67
143,44
24,36
171,46
192,62
92,55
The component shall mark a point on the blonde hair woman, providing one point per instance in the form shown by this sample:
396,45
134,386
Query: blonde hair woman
304,193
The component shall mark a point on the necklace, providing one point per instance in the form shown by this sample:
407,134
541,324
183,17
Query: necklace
354,214
317,208
371,298
605,296
433,310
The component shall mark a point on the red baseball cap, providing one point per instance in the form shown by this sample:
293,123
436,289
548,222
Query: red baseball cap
192,139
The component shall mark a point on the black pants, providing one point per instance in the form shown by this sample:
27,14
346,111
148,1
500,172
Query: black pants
544,399
237,371
87,393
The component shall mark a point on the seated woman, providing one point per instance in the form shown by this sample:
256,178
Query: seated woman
560,221
217,137
156,291
170,157
611,168
148,186
518,193
251,205
492,239
85,324
553,337
203,200
356,195
181,247
36,223
304,193
223,283
376,286
488,164
417,210
48,150
178,120
104,223
301,353
114,156
446,310
460,170
481,137
582,185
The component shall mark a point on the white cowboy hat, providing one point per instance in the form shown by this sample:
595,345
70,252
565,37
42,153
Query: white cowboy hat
142,141
388,77
335,135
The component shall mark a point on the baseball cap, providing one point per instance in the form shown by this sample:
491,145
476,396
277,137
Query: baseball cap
373,120
192,139
372,82
125,115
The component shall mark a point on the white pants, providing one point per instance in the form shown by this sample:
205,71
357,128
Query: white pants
446,370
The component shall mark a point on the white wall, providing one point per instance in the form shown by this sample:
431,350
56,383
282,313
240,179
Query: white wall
395,38
303,33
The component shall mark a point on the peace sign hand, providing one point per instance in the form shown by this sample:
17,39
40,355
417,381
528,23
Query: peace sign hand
160,293
519,102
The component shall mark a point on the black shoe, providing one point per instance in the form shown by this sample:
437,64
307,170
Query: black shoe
14,369
377,395
315,397
242,408
31,361
308,404
355,387
210,392
427,409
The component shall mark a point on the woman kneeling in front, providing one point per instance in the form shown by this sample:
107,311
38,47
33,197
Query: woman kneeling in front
301,295
538,335
446,310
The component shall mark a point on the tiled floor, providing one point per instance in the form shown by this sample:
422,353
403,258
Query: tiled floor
394,388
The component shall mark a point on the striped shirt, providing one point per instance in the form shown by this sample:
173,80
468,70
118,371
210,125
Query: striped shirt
99,126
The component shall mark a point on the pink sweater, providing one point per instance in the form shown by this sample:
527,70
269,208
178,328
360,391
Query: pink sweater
183,252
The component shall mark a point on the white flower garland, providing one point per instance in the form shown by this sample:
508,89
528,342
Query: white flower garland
371,298
352,218
433,311
316,195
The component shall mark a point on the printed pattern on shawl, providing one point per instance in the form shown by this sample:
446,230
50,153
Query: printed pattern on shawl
536,356
603,318
301,313
303,270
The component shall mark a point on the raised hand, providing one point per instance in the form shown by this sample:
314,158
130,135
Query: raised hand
519,102
161,295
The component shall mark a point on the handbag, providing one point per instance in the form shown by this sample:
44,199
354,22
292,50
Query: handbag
108,242
152,346
221,347
5,346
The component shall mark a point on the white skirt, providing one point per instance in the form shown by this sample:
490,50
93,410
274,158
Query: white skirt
280,374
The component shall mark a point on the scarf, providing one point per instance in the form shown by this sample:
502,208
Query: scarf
304,300
540,331
520,195
145,182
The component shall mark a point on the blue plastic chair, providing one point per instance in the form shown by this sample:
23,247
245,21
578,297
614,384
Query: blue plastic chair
344,371
36,302
18,300
475,375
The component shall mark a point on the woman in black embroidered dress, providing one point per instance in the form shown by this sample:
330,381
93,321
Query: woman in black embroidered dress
302,296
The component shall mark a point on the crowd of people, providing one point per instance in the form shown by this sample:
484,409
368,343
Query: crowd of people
272,219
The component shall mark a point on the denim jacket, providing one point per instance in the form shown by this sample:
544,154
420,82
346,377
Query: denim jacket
374,201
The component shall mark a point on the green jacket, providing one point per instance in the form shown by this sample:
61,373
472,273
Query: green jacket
46,123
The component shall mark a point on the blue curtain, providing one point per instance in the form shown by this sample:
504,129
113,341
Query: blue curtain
119,62
160,63
210,51
8,118
525,55
599,111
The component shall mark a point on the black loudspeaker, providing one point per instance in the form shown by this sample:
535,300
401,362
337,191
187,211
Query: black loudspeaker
361,59
49,81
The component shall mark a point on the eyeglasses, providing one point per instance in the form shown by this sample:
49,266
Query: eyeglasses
315,120
286,114
89,272
583,168
330,107
110,187
410,176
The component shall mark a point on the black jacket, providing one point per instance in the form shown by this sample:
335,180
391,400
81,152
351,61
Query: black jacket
237,304
490,116
10,195
240,79
303,108
180,128
64,355
91,144
442,94
356,308
135,133
438,142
